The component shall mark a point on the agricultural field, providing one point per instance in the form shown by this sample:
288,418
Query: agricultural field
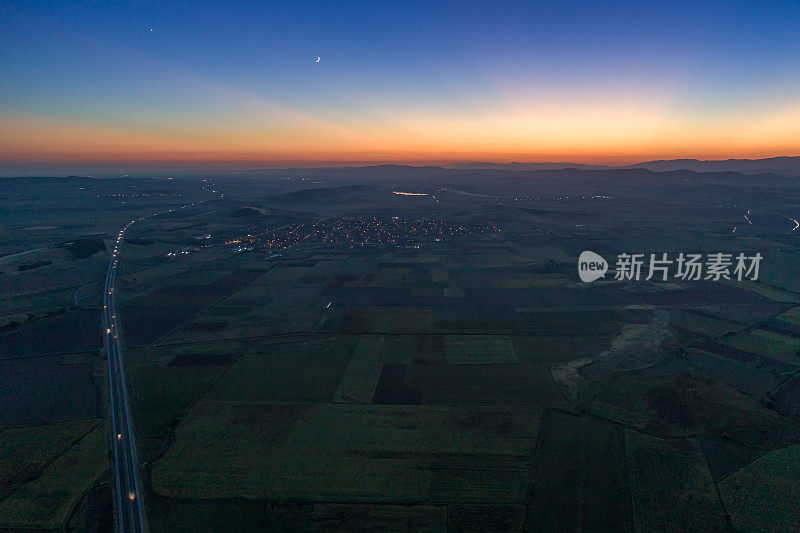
772,477
578,481
54,437
671,487
347,453
470,387
47,500
334,357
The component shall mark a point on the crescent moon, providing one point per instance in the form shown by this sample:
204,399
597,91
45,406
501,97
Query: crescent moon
317,61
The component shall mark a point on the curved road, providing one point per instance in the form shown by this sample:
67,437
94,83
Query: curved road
129,504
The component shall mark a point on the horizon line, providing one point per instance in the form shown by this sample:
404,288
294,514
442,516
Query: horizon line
500,159
107,168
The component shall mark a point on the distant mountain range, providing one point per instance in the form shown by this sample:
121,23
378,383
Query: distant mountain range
481,165
778,166
782,166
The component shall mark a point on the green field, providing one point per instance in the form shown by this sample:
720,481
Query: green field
750,493
579,479
46,501
767,343
671,487
362,374
301,370
479,349
350,453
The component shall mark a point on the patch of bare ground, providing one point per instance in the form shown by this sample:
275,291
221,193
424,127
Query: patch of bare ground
638,346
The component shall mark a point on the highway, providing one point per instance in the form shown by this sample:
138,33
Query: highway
129,502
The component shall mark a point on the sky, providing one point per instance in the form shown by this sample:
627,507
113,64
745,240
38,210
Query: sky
237,83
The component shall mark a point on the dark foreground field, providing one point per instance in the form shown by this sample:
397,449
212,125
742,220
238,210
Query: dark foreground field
338,357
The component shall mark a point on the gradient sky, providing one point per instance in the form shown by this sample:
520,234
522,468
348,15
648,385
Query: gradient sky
405,81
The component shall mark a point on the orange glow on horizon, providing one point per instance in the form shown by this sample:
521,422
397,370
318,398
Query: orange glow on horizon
599,136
